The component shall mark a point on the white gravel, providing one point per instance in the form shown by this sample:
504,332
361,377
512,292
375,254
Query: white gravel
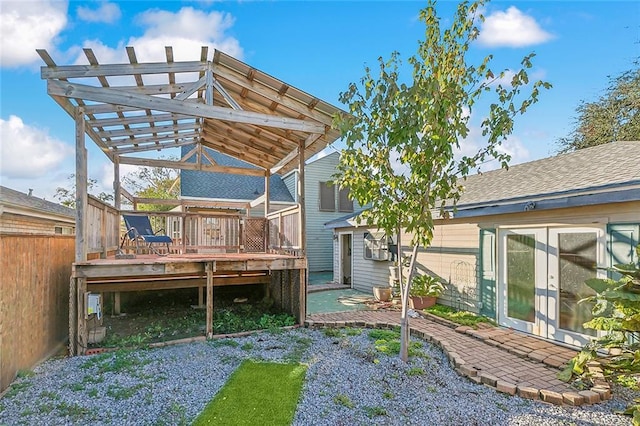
348,382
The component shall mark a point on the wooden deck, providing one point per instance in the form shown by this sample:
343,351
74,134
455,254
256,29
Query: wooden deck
284,277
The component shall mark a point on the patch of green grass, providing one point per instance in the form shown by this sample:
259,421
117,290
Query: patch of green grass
93,379
175,414
25,374
225,342
415,371
234,319
265,391
349,331
93,392
247,346
118,392
49,395
300,346
375,411
387,395
344,400
117,362
377,334
432,389
388,343
460,317
16,388
75,411
76,387
332,332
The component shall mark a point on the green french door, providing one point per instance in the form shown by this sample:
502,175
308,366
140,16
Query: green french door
541,279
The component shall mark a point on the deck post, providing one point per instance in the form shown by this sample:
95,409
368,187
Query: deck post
81,187
73,329
301,200
83,335
267,196
209,268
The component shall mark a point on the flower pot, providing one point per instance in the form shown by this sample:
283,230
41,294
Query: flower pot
382,294
421,302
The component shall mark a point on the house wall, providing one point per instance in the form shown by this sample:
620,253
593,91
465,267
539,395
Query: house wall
367,273
319,239
454,254
16,223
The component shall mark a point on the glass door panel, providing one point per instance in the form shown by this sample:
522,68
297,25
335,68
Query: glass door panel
522,279
578,260
521,275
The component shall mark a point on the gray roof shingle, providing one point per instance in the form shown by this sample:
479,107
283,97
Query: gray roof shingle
11,196
613,165
227,186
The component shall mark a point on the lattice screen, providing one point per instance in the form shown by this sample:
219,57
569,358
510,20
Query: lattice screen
255,235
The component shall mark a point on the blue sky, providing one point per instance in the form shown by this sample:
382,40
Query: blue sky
317,46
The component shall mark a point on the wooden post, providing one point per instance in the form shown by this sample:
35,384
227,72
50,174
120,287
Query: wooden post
116,303
73,316
83,333
209,268
267,196
301,201
81,187
117,194
302,276
183,230
103,233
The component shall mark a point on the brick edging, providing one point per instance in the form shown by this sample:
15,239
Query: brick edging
601,391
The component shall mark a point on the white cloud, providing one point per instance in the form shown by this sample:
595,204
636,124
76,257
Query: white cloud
107,12
28,152
29,25
186,31
105,178
511,28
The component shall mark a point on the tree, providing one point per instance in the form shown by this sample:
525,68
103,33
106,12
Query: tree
67,196
615,116
401,139
154,182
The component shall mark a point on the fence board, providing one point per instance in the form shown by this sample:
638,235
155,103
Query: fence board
34,299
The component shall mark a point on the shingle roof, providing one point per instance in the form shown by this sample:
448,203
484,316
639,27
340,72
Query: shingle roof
225,186
11,196
611,165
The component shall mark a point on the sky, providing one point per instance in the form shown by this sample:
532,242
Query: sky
317,46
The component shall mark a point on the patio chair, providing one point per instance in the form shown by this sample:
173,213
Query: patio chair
139,230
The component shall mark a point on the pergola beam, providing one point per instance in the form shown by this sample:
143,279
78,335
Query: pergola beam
148,162
109,95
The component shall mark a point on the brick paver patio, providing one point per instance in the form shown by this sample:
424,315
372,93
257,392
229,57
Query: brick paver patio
510,361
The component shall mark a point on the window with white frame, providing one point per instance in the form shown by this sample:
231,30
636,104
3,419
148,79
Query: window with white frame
378,246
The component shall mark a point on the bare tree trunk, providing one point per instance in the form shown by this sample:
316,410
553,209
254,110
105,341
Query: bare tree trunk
404,319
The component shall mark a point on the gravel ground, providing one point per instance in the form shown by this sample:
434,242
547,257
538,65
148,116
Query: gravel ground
348,382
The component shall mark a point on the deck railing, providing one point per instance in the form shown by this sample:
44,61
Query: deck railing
101,220
200,232
284,230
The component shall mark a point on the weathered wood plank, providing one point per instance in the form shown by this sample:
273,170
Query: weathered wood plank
190,166
210,267
79,71
109,95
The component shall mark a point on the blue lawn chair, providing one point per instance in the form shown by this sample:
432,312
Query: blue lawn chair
139,230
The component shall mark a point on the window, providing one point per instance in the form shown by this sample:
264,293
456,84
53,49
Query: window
344,203
327,197
377,246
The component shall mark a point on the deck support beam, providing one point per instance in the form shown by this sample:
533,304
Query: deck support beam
210,269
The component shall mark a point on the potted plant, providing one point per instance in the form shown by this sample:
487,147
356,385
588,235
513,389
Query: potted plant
425,290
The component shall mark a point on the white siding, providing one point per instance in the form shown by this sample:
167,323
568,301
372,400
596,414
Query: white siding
367,273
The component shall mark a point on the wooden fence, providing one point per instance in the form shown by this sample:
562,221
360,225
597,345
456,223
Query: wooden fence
34,299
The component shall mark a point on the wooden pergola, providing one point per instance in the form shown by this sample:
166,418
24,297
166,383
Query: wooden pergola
134,111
